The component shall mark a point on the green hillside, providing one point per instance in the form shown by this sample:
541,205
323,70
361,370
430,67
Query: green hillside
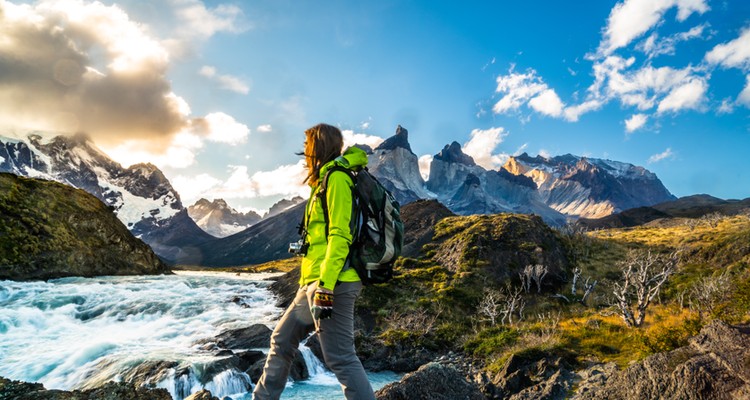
50,230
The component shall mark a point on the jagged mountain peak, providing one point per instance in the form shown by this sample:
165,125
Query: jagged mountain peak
219,219
400,139
283,205
452,153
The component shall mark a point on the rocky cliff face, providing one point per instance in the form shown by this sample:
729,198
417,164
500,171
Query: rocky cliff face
141,196
467,188
50,230
219,219
397,168
583,187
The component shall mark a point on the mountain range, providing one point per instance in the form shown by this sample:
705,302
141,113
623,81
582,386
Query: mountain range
558,189
140,195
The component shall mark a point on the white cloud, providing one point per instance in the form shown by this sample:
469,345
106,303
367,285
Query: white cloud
653,46
285,181
267,128
744,97
661,156
351,138
227,82
572,113
198,21
518,89
689,95
631,19
545,153
424,166
547,103
734,54
727,105
481,145
637,121
192,188
223,128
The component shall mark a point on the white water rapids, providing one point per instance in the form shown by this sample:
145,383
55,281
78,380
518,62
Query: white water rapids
78,333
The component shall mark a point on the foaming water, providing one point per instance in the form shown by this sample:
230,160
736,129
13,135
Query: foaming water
78,333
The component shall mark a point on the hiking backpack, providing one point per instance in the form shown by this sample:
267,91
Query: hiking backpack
377,230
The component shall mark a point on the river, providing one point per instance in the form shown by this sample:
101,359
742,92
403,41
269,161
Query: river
77,333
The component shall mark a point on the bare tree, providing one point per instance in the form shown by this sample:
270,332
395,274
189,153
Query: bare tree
533,273
502,305
712,219
490,305
513,304
709,292
643,275
588,287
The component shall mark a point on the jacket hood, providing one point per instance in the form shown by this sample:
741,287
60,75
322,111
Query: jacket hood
353,158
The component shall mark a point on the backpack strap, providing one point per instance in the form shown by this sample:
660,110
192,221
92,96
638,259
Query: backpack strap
324,187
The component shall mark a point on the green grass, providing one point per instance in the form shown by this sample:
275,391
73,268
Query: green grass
579,332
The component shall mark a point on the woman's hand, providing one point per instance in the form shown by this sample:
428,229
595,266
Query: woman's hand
322,307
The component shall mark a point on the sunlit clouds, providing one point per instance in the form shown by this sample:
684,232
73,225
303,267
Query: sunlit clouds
108,77
284,181
482,144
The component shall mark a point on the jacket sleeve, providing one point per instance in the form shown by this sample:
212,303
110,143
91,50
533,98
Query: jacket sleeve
339,201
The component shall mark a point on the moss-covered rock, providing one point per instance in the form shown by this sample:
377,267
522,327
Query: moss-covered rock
50,230
499,245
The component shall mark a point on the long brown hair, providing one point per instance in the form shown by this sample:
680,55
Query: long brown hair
323,143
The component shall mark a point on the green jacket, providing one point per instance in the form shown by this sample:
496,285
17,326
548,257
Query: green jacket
325,257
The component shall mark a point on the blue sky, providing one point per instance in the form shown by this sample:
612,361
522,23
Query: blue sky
218,93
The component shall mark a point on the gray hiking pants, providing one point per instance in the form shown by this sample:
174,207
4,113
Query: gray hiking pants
336,340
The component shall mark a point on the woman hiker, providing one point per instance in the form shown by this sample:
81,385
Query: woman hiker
325,299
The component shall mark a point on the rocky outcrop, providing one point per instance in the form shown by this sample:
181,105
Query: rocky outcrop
432,381
17,390
50,230
714,365
530,376
501,245
420,218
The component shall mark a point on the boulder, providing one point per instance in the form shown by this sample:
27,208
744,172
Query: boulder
202,395
432,381
298,371
714,365
253,336
536,375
